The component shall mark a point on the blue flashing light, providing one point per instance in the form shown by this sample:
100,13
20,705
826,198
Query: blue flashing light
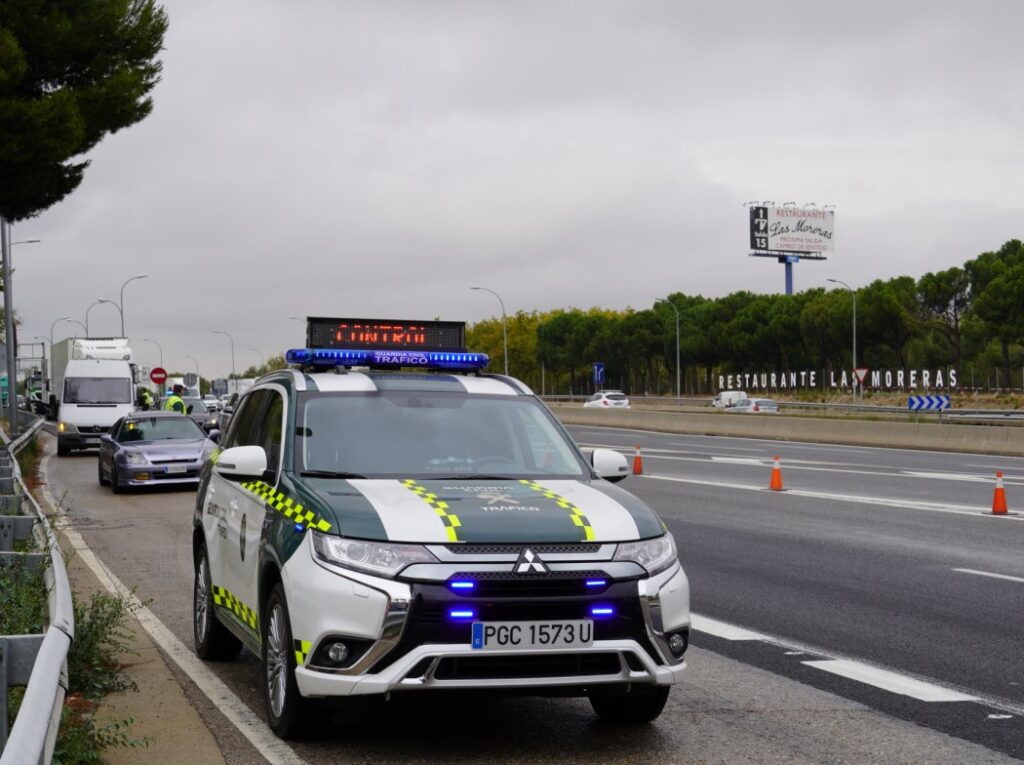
596,582
461,614
602,612
356,357
299,527
462,584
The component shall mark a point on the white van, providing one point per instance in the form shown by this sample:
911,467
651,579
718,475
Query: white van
727,398
95,394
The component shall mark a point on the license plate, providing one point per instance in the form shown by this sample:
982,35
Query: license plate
526,636
177,468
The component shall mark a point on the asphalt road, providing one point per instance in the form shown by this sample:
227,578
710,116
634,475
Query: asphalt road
849,579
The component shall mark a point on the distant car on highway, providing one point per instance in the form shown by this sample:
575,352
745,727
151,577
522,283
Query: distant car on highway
727,398
212,402
754,406
153,449
607,399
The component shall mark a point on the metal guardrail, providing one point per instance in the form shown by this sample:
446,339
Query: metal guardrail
963,414
38,662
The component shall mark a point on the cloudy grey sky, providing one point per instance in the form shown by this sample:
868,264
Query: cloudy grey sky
325,157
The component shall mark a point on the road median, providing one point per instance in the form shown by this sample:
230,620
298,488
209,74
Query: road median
973,439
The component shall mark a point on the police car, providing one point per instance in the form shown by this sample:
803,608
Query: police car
385,517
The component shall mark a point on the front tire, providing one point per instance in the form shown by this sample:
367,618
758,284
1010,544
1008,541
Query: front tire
99,468
288,713
115,480
63,450
640,705
214,642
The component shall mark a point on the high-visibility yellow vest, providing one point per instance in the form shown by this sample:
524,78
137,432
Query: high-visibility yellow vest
175,403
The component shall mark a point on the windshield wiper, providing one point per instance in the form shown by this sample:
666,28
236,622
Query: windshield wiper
329,474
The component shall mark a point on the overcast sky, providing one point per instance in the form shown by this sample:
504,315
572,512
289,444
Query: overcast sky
375,159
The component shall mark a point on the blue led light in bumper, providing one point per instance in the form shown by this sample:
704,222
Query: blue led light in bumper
461,614
462,584
596,582
602,612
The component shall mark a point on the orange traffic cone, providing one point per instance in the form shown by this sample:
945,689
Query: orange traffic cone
999,498
638,462
776,482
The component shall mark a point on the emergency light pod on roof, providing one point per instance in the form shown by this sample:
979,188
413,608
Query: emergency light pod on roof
386,343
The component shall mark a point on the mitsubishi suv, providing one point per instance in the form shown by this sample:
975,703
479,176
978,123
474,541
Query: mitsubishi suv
365,529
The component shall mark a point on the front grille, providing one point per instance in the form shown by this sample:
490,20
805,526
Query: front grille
490,584
429,621
171,476
483,549
93,429
546,665
172,461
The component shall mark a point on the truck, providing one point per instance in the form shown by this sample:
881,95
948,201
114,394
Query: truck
92,386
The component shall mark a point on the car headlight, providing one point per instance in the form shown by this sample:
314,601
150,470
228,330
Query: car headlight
380,558
135,458
655,554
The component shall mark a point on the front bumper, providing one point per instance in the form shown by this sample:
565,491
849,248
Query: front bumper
159,474
405,641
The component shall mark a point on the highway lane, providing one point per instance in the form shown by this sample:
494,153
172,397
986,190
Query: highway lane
938,595
727,711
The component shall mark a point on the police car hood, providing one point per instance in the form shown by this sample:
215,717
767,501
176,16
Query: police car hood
486,511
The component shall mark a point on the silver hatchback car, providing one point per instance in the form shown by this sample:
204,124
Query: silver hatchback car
607,399
754,406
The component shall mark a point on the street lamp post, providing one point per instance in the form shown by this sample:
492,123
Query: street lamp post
232,341
121,304
853,294
678,377
119,310
504,327
87,315
154,342
199,380
12,362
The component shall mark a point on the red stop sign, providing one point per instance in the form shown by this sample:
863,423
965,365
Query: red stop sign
158,375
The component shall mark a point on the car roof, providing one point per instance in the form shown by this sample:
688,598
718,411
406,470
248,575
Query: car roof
160,413
373,381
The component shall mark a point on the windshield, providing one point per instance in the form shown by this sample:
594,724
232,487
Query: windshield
198,407
432,435
97,390
158,429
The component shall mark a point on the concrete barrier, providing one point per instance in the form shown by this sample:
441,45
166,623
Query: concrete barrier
974,439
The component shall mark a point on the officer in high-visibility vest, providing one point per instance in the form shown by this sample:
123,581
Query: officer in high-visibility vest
174,402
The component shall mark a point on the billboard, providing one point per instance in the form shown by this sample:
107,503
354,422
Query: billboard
791,229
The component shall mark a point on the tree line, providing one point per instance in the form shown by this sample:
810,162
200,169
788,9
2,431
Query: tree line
968,318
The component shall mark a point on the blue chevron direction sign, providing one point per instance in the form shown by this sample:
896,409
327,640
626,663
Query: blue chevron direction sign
927,403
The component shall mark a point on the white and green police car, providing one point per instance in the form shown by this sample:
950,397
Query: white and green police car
384,517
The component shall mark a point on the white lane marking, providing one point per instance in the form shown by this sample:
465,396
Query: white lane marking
1000,717
223,698
703,447
948,476
889,681
739,460
723,630
990,574
934,507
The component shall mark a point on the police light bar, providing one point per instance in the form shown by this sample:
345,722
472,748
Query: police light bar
364,357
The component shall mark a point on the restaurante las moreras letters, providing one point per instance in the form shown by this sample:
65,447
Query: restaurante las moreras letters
880,379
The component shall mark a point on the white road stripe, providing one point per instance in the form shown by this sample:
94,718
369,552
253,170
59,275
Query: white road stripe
739,460
949,476
990,574
889,681
894,682
977,512
723,630
248,723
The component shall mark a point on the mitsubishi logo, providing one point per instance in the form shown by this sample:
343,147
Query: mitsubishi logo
530,563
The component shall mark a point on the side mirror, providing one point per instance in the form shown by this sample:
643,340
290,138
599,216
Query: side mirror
609,464
241,462
214,435
106,437
189,409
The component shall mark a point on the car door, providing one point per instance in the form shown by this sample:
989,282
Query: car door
247,520
108,447
224,501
